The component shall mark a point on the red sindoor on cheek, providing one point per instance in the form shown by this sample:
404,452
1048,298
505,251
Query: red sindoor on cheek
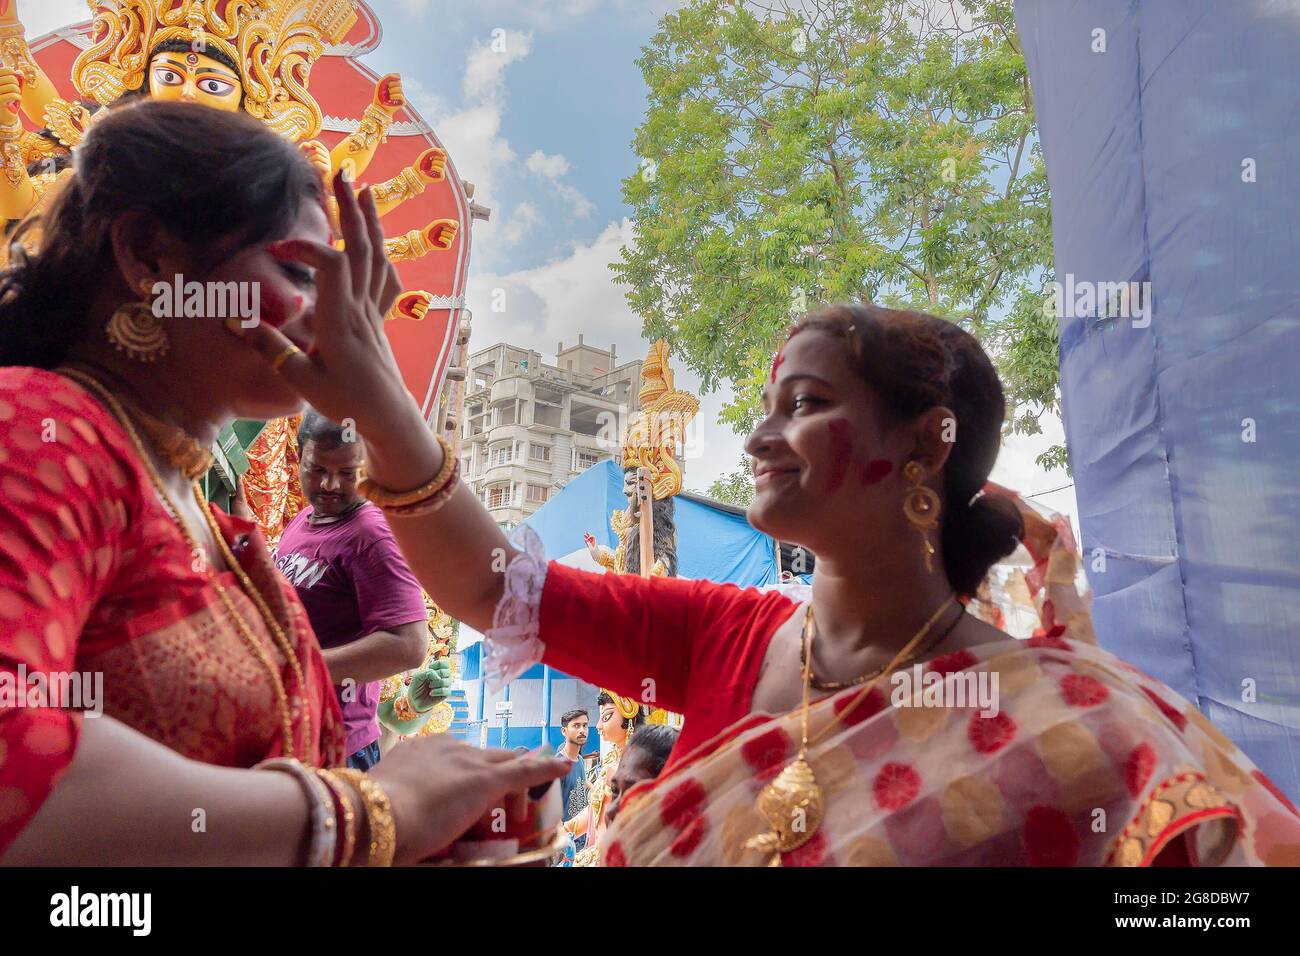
278,312
841,433
876,471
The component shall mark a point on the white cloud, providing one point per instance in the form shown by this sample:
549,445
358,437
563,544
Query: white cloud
548,167
553,169
485,66
520,224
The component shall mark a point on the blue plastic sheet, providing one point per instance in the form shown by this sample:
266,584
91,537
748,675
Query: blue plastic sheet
1169,132
711,543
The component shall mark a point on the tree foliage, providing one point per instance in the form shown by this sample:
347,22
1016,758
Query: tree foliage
736,488
798,152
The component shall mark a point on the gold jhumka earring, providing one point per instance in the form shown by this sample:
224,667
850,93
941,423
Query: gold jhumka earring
136,331
921,507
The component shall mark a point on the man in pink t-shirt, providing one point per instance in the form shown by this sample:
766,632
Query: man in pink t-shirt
362,599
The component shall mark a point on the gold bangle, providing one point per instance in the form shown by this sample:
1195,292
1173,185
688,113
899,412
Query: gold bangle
379,816
349,817
392,499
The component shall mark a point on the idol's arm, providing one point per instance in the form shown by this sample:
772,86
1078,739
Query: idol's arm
356,151
429,167
17,194
121,784
38,91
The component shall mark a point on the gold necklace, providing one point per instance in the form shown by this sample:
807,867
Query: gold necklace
241,626
793,804
181,451
819,684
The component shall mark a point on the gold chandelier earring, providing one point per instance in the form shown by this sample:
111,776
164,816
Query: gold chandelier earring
136,331
921,507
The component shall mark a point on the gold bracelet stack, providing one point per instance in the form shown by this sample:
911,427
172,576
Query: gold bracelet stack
426,499
382,829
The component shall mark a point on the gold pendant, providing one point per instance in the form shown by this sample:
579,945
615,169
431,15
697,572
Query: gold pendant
793,807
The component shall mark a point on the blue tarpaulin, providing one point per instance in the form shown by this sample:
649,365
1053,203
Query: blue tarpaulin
711,543
1169,132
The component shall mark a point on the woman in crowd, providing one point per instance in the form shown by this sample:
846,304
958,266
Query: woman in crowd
644,758
880,430
112,563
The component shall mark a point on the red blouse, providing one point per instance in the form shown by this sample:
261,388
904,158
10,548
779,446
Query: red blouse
693,647
96,579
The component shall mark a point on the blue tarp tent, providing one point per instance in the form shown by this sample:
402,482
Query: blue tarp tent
1169,134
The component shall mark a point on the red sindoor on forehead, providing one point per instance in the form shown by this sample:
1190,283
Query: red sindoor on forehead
780,355
776,364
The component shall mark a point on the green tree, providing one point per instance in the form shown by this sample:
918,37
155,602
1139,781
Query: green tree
736,488
797,152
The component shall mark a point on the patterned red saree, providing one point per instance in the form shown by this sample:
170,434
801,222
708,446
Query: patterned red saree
1084,761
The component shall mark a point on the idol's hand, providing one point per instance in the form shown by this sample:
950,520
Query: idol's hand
350,372
440,787
319,156
413,305
431,686
11,97
431,165
441,233
389,96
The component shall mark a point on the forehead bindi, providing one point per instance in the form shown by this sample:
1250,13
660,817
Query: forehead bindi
810,353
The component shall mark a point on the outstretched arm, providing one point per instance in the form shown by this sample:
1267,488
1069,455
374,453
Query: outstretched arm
38,91
355,153
17,195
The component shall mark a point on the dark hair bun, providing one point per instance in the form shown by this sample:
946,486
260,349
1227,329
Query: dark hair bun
976,537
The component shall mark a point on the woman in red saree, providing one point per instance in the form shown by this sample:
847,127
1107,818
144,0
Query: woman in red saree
113,567
880,430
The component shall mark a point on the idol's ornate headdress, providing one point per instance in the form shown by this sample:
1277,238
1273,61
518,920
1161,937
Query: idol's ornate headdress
657,432
275,43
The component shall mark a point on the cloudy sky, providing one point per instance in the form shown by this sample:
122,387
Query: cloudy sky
536,101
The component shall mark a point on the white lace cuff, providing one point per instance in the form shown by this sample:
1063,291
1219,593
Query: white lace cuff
511,645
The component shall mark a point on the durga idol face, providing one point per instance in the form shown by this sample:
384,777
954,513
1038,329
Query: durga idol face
195,78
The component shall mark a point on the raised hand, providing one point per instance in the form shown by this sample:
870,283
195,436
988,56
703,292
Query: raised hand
319,155
11,97
431,165
431,685
441,233
389,95
413,305
351,371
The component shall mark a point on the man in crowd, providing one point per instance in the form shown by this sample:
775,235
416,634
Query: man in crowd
363,601
573,786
